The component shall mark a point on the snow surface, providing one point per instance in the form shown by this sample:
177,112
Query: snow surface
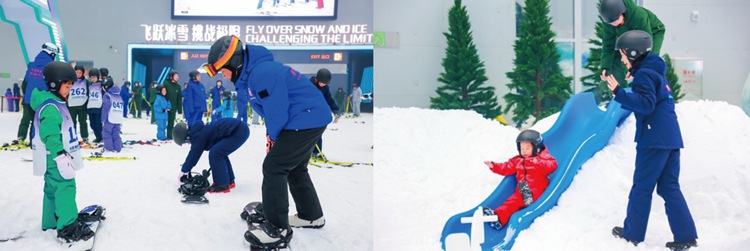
430,168
144,211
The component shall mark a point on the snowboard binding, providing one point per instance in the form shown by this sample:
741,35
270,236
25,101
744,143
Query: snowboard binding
253,213
284,236
195,184
92,213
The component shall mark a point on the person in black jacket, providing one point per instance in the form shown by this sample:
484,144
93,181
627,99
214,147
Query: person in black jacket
221,138
321,80
17,97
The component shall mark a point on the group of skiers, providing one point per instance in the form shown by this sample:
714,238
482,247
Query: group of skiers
59,98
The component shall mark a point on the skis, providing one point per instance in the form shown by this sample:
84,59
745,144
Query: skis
12,237
103,158
15,146
320,162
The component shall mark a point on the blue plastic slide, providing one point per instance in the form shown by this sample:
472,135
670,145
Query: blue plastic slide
581,130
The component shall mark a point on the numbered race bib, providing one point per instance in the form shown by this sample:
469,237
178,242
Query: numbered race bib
95,96
116,110
78,94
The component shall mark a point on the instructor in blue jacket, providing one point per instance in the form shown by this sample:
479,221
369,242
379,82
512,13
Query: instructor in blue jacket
658,137
34,79
195,99
296,115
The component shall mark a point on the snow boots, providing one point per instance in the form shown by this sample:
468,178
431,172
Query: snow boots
494,224
296,221
76,231
682,246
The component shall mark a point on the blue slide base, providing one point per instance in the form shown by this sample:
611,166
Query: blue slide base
581,130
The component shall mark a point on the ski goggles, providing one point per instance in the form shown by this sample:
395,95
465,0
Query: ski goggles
212,69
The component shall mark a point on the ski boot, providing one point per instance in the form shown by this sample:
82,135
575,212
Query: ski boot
494,224
254,215
266,236
619,233
218,188
76,231
682,246
296,221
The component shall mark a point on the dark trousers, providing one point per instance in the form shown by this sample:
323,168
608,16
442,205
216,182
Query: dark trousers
79,116
658,168
170,122
218,156
136,112
18,104
95,121
26,121
285,167
125,109
194,117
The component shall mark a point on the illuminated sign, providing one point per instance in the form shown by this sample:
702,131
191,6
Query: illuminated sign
184,55
332,34
321,9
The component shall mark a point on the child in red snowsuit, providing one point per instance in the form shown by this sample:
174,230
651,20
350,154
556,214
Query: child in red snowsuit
531,167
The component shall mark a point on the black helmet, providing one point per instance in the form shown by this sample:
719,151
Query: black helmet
94,72
637,44
80,68
534,137
193,75
324,75
171,74
55,73
226,52
610,10
180,133
104,71
107,83
226,94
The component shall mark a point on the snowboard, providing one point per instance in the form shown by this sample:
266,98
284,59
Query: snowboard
253,213
12,237
93,216
194,199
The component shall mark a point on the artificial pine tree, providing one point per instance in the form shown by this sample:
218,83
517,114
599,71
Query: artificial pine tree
541,88
464,73
673,79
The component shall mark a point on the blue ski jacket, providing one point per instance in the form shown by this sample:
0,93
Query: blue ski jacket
652,103
283,96
34,77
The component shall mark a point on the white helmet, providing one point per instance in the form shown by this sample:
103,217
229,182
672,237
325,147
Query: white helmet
51,49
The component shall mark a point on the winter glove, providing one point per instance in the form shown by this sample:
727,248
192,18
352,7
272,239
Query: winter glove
65,166
184,177
269,143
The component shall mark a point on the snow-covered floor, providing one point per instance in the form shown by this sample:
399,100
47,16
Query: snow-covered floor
144,211
430,168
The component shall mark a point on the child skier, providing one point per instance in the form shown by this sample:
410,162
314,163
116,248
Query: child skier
531,167
57,154
226,110
221,138
161,108
113,108
94,107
